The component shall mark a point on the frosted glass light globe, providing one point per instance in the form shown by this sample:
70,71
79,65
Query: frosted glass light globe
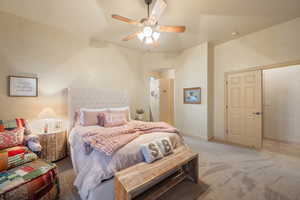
149,40
156,35
147,31
141,36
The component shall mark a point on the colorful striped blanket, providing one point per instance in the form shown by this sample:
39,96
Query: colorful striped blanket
109,140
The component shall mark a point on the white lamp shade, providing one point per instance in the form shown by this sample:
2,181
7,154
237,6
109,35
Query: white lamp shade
47,113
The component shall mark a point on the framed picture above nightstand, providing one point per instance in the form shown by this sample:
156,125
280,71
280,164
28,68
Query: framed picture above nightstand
21,86
54,145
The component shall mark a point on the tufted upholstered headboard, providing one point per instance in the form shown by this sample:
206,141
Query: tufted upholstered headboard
94,98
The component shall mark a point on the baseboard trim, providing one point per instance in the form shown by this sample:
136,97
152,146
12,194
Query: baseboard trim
281,141
195,137
282,147
222,141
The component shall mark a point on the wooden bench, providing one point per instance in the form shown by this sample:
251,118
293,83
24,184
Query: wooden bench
175,168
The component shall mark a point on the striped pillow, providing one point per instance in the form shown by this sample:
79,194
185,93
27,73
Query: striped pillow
15,156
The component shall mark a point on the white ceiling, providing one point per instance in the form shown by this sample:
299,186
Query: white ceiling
206,20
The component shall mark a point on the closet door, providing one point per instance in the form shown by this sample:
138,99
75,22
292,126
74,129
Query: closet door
244,108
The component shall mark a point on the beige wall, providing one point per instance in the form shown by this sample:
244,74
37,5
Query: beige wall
277,44
168,73
60,60
192,71
281,103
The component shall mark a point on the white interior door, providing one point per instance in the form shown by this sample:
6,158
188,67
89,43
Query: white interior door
244,108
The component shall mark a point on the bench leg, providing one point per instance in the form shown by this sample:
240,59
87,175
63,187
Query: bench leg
120,192
192,169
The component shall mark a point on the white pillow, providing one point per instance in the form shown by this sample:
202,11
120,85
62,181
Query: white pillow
82,110
122,109
165,145
151,152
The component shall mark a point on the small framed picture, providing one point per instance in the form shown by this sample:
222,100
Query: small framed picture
20,86
192,95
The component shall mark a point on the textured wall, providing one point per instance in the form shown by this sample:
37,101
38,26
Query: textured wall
277,44
192,71
60,60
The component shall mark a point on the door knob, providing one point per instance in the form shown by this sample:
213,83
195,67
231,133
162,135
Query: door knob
257,113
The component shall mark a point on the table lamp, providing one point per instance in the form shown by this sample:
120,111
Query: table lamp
47,115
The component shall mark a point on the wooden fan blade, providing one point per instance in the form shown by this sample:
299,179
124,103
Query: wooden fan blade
157,11
131,36
126,20
172,29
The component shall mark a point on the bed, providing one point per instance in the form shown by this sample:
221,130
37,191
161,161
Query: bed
95,171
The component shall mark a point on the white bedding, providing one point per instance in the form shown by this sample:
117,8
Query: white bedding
96,167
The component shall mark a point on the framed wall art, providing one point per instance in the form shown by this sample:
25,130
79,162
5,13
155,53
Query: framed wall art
20,86
192,95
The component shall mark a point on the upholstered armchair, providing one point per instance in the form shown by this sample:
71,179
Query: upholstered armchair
23,176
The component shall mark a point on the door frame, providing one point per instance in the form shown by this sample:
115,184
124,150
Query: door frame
251,69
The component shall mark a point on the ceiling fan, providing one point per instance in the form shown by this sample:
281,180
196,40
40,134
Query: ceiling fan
150,29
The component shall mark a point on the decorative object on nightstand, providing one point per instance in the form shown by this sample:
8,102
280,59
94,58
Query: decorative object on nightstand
52,135
54,145
140,114
49,120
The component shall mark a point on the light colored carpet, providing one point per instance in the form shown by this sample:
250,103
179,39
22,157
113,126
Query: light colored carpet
226,173
235,173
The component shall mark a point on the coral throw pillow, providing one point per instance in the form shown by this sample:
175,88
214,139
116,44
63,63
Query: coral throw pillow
114,118
7,125
11,138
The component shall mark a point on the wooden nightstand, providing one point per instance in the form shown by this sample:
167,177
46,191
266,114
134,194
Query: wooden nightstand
54,145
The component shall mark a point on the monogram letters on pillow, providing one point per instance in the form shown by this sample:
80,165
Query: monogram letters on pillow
165,145
151,152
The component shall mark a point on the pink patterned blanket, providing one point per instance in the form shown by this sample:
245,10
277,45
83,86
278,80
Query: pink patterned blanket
109,140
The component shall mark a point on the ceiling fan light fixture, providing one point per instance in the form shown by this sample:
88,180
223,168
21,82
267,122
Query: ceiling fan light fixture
156,36
147,31
141,36
149,27
149,40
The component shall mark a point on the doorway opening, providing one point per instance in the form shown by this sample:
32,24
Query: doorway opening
262,108
161,98
281,98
